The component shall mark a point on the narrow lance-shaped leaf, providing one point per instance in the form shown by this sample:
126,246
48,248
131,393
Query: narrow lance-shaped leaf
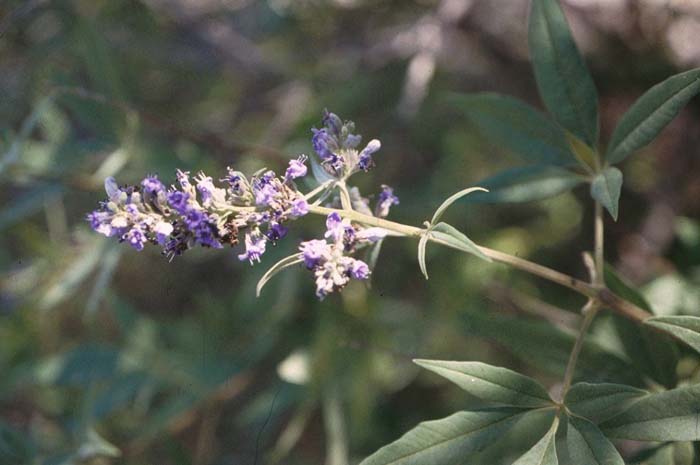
600,402
668,416
654,354
587,445
544,452
452,199
455,238
422,244
651,113
564,82
276,268
449,441
516,126
685,328
526,184
489,383
606,187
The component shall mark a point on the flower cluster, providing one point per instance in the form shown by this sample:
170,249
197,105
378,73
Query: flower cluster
195,211
336,146
329,258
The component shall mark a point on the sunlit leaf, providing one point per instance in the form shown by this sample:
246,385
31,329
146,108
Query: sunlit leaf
564,82
489,383
606,188
651,113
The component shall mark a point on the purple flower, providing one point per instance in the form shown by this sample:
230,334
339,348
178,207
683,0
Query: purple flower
254,248
324,144
332,122
300,207
276,232
358,269
194,217
162,231
100,221
135,237
297,168
183,177
385,201
151,185
365,160
314,252
264,189
335,227
178,201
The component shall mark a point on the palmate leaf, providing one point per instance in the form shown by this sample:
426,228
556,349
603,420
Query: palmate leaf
544,452
667,416
449,441
651,113
600,402
492,384
606,188
587,445
526,184
685,328
563,80
517,126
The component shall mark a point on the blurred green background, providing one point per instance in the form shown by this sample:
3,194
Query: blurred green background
112,356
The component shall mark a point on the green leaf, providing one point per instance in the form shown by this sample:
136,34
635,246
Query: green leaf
489,383
449,441
453,237
526,184
651,113
547,347
685,328
544,452
452,199
653,354
286,262
600,402
606,187
422,244
588,446
563,80
668,416
585,155
517,126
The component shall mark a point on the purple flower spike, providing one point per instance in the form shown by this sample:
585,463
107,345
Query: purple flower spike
297,168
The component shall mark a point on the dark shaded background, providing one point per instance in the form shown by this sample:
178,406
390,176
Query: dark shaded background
179,363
